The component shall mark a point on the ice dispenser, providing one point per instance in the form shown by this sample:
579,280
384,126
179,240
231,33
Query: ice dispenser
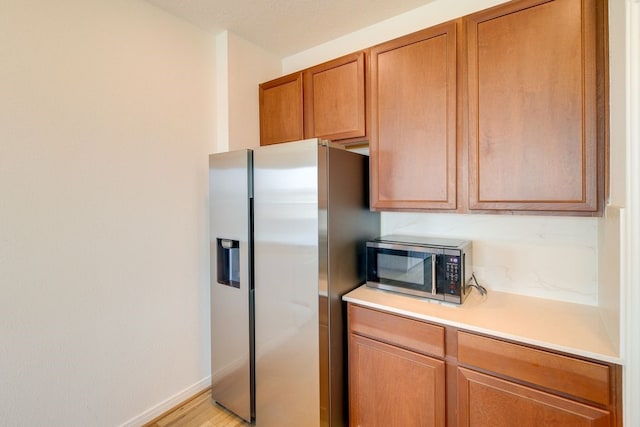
229,262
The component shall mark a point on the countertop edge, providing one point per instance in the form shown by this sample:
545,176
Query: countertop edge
355,298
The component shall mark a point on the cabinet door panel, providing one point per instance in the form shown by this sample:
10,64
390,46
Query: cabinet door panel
488,401
413,132
389,386
281,110
533,122
334,100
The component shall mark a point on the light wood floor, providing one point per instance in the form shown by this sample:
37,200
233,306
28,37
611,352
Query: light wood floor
200,411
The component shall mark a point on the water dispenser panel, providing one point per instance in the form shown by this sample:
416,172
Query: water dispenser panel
228,254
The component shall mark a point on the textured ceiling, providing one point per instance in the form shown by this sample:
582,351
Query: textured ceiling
285,27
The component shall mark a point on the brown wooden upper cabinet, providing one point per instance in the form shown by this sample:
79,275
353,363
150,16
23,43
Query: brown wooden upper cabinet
334,101
413,121
519,88
536,118
500,111
281,118
326,101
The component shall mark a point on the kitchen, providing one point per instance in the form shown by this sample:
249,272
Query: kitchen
108,120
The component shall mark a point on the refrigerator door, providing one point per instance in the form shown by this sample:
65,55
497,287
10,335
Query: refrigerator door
230,188
286,230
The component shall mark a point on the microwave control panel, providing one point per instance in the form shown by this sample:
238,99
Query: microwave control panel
452,273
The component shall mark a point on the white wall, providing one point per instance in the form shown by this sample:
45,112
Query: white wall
241,67
631,245
617,92
106,118
249,66
611,226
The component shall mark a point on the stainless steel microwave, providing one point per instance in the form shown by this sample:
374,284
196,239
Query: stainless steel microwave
433,268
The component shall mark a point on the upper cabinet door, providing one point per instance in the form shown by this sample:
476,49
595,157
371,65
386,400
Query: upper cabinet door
413,121
535,132
334,102
281,117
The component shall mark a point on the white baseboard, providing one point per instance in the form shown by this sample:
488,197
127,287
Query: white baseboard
167,404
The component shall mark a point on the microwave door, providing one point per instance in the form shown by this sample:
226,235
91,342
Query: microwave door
412,272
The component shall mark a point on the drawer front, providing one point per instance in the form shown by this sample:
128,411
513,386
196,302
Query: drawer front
408,333
576,377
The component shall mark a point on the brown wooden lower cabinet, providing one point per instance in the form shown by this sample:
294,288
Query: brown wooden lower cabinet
461,378
487,401
390,386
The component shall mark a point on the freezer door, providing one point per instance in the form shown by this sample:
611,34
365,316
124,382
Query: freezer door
286,230
231,285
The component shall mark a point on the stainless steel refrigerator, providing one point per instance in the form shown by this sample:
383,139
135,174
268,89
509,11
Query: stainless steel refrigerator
287,235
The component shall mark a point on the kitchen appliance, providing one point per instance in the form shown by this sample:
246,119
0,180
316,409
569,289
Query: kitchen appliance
435,268
289,223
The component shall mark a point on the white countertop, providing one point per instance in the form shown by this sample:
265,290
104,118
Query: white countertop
567,327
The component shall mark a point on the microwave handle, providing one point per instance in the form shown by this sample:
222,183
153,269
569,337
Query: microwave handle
434,289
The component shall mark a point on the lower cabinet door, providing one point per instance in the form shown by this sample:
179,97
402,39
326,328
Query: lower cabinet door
390,386
486,401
